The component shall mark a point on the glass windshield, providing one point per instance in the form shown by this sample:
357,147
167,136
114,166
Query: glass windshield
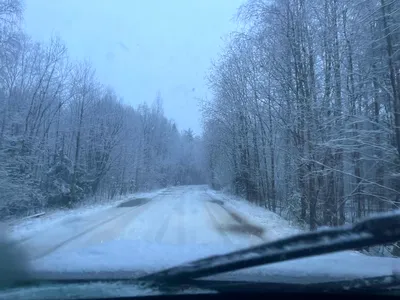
139,135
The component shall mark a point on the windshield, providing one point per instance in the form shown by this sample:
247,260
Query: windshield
136,136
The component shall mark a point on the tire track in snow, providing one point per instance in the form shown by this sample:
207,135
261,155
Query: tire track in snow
110,230
217,224
181,221
89,219
254,232
87,230
164,226
176,210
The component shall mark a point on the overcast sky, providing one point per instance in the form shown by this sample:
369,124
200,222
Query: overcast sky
140,47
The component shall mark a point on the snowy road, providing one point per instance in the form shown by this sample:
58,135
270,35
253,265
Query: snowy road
178,216
149,232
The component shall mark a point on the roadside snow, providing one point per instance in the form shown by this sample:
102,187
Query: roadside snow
345,264
24,229
275,226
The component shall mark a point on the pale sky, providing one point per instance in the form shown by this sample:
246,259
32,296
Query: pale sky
140,47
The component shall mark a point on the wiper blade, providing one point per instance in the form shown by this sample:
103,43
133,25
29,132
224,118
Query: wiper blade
382,229
358,285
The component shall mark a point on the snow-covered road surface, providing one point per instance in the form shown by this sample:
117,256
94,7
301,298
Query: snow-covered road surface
177,216
173,226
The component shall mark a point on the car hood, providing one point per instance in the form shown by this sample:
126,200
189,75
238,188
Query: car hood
89,290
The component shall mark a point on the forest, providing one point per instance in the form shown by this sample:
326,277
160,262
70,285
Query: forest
304,117
66,138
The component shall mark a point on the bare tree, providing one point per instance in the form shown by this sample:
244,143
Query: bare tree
304,109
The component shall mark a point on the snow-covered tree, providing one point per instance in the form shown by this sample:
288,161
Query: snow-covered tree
65,137
304,117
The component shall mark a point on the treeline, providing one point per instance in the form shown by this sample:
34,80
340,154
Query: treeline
305,113
65,137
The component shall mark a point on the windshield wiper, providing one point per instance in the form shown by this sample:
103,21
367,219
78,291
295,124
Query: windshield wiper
359,285
381,229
